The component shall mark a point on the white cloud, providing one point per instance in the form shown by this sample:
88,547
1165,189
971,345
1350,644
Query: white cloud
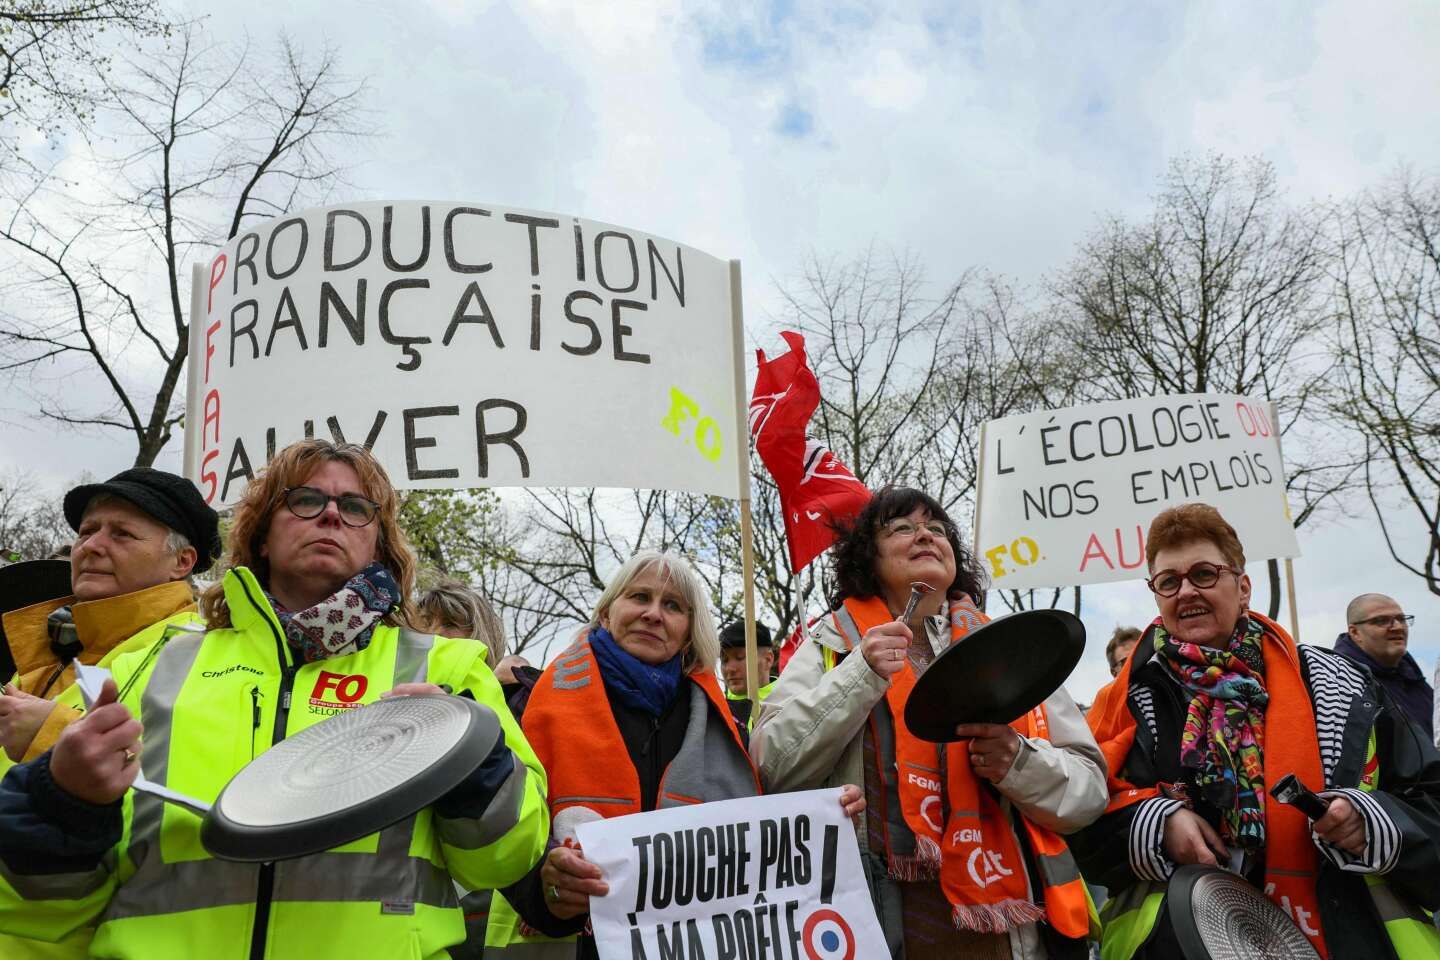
889,82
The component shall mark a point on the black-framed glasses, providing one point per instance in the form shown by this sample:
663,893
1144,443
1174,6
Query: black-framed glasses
1385,619
1203,575
307,503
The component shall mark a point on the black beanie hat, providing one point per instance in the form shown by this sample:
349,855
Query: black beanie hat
733,635
170,499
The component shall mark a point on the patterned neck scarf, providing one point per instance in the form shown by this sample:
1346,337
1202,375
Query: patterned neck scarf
1223,740
343,622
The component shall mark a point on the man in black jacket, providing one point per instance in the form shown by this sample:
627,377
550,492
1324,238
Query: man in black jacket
1378,638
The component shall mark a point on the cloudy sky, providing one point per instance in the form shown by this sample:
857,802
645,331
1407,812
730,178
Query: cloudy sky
990,135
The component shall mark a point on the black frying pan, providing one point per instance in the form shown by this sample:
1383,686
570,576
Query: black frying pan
23,585
996,674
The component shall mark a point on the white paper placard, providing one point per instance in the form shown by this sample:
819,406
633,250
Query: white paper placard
468,346
1066,496
764,878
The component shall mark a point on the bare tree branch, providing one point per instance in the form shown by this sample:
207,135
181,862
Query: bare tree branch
207,141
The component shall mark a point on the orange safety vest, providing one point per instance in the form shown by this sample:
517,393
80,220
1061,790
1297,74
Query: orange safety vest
569,724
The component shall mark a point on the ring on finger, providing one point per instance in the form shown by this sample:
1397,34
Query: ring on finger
130,756
554,893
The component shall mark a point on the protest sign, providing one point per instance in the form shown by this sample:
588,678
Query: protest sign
1066,496
466,346
764,878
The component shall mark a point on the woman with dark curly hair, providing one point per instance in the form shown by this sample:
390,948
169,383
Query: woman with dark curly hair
960,842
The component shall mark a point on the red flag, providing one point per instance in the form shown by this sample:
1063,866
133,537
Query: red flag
816,489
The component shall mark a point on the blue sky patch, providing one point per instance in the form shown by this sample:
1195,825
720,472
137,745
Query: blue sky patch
795,122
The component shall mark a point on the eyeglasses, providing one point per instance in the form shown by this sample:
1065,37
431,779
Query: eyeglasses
307,503
900,527
1385,619
1203,575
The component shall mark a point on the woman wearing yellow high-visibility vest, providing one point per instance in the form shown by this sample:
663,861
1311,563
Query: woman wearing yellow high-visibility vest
309,620
1214,706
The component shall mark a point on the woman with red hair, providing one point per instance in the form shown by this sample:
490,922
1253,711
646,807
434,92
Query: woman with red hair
1216,705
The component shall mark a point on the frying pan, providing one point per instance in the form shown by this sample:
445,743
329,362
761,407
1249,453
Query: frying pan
1218,916
348,776
995,674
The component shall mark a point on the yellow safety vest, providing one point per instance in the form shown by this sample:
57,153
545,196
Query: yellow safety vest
209,703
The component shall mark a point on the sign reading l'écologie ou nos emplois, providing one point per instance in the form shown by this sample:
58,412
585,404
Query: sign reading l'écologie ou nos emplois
467,346
1066,496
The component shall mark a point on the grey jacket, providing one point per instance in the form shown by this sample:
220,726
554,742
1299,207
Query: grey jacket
810,734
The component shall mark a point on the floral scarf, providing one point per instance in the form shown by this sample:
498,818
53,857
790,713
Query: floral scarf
343,622
1223,740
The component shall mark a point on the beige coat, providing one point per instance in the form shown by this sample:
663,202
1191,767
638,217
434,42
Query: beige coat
810,735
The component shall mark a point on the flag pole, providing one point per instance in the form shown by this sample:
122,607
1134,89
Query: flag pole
742,463
1289,563
194,417
979,489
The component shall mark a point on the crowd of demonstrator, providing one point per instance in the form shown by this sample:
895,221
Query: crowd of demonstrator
988,846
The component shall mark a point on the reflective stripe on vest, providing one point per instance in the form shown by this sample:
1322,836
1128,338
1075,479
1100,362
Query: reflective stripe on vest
388,874
412,656
845,623
158,888
505,939
1057,868
172,665
524,950
1411,929
1129,919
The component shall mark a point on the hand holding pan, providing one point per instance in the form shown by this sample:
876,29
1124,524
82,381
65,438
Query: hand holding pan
1218,916
349,776
996,674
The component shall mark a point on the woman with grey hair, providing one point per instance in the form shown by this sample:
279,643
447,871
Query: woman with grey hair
632,703
454,609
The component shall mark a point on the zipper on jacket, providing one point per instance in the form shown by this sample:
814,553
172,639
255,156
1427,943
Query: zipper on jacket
266,887
254,718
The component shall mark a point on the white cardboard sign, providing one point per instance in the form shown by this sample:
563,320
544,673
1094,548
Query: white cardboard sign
1067,496
764,878
467,345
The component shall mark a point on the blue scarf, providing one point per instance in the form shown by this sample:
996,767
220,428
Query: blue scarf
637,684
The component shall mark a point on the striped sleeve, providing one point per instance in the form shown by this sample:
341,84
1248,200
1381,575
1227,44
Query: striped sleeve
1382,836
1147,839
